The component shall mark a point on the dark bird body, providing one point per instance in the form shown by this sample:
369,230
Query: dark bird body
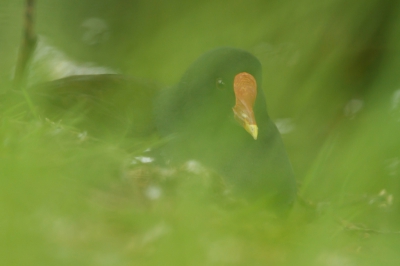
198,115
104,105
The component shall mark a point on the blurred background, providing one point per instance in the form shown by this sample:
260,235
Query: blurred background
330,75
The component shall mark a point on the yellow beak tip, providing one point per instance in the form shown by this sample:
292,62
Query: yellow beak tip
253,130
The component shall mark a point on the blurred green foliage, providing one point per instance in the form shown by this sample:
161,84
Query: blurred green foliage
330,70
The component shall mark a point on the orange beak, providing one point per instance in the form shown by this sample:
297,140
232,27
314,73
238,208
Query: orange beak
245,87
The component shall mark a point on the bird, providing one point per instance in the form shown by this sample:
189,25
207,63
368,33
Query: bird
216,115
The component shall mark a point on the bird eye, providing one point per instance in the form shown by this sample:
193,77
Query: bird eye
220,83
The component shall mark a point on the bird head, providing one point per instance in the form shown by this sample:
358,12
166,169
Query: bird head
221,88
